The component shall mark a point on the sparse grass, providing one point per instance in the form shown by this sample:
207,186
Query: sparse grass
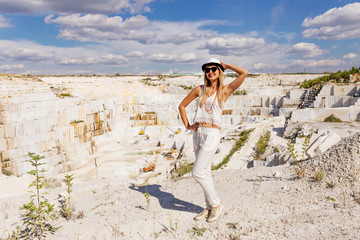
182,169
77,121
239,143
330,185
332,118
147,81
6,172
186,87
170,221
262,144
66,207
235,236
356,196
147,198
299,167
319,176
52,182
330,198
65,95
199,232
240,92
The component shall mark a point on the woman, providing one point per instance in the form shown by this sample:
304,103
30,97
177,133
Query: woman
207,123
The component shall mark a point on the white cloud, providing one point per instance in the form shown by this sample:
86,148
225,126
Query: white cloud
78,6
102,28
9,67
306,50
316,63
160,57
26,54
335,24
168,58
95,27
109,59
266,66
350,56
140,6
188,57
300,65
233,46
4,23
135,54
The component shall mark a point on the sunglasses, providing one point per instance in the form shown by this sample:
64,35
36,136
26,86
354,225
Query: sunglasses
213,69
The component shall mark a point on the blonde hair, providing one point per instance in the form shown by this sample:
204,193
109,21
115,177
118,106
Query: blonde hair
220,88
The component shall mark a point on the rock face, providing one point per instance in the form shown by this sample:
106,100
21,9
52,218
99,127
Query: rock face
63,129
64,122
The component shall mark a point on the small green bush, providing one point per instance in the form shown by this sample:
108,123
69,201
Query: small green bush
240,92
332,118
261,145
65,95
38,213
319,176
186,87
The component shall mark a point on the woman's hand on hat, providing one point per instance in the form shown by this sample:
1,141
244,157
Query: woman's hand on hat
224,65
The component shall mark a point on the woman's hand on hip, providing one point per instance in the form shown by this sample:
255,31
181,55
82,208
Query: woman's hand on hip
193,127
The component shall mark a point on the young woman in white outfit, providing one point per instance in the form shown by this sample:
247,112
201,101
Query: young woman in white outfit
207,124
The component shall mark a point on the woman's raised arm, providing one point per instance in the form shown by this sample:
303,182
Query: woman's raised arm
231,87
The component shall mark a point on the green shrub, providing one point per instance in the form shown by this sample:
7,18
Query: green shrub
319,176
183,169
261,145
332,118
65,95
332,77
240,92
239,143
66,206
186,87
38,212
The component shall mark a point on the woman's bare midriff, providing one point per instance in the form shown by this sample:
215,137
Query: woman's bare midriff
208,125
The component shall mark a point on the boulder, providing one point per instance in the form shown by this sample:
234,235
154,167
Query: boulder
322,143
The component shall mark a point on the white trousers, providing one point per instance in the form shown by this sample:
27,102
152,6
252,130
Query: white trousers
206,142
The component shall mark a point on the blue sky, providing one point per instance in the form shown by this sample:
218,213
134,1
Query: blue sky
165,36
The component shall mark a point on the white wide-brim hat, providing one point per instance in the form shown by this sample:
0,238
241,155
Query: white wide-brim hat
212,61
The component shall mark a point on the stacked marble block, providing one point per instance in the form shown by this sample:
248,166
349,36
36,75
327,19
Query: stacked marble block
333,96
165,107
63,130
332,100
239,108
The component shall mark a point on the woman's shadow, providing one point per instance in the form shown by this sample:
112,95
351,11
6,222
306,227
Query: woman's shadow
167,200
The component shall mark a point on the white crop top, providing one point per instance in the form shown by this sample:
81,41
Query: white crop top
210,112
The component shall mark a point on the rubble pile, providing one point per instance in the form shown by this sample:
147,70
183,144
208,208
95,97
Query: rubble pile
341,163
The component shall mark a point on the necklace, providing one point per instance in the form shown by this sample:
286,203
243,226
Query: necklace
212,106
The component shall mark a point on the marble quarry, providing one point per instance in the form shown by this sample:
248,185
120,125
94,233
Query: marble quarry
66,118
